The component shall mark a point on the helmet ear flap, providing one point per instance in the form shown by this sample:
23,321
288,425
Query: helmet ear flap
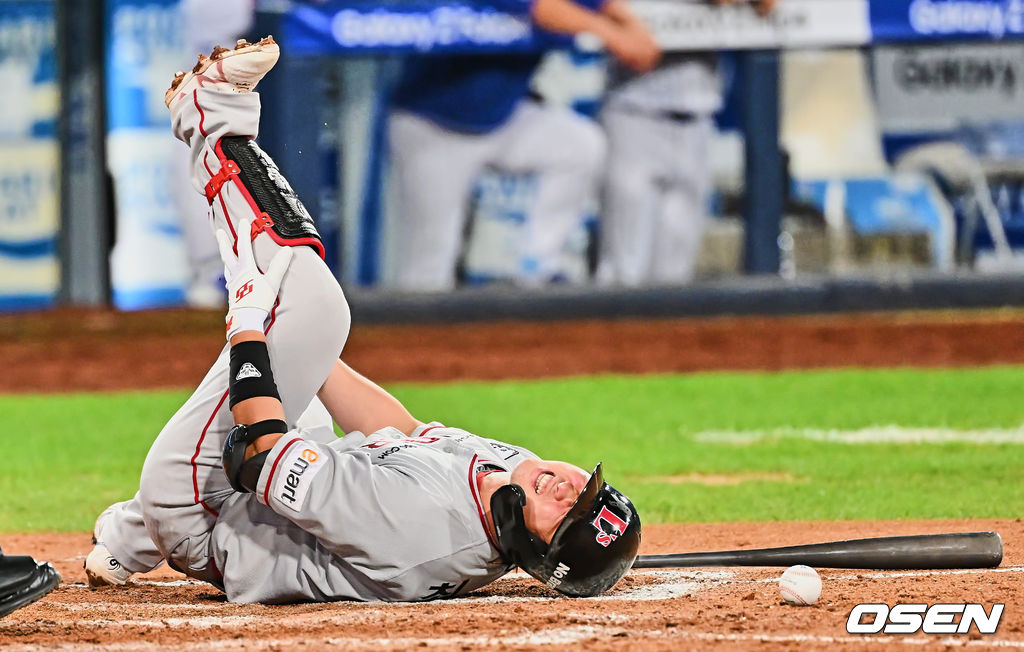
518,545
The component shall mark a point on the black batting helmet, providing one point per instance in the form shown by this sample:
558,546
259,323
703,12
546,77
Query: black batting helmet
593,547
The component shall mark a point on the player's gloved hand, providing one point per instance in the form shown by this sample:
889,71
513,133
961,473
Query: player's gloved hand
251,293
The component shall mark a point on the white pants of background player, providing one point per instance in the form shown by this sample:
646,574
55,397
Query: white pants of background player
435,170
183,483
657,183
206,24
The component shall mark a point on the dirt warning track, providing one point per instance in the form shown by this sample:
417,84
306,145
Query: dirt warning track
87,350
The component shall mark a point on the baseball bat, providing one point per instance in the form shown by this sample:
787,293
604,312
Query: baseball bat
923,551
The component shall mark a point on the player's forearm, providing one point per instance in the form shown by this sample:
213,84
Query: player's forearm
357,403
620,12
567,17
257,408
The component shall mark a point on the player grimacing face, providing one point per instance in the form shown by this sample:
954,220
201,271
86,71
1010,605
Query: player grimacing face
551,489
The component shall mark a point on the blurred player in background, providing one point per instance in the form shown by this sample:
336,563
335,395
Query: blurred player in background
658,178
456,115
207,24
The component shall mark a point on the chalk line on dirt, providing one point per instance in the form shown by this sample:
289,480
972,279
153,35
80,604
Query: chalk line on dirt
673,584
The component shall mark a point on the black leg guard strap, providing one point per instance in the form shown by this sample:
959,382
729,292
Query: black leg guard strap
244,474
250,373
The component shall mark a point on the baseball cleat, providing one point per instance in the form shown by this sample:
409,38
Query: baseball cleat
101,569
235,70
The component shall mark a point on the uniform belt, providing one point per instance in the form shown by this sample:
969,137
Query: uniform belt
678,116
681,117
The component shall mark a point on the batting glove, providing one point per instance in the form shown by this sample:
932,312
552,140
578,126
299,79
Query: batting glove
251,293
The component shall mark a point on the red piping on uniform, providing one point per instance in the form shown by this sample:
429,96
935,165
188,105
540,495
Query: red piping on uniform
220,151
202,116
270,478
475,490
195,467
206,165
284,242
227,216
199,444
216,571
426,430
273,316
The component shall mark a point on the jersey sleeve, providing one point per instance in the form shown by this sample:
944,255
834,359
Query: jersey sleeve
361,511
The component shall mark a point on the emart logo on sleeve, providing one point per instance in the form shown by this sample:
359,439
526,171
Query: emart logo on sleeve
295,473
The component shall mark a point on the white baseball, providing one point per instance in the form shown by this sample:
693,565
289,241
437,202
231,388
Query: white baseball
800,585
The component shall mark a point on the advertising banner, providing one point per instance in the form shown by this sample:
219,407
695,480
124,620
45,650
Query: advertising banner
29,162
935,88
148,264
947,20
693,25
416,26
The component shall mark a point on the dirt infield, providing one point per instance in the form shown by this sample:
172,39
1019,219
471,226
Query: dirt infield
684,609
655,610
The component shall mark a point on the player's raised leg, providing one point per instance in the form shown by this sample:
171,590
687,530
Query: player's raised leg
215,113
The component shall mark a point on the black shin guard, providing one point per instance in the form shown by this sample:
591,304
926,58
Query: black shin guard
270,193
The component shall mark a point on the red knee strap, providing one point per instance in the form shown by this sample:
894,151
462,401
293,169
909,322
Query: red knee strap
228,169
259,225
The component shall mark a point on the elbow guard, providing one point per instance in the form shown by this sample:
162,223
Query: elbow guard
250,373
244,474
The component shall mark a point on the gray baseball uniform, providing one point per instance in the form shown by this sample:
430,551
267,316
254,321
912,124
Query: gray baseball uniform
383,517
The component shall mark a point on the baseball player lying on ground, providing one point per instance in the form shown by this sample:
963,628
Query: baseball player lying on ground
277,508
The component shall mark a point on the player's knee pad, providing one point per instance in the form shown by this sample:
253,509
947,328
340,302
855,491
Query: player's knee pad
269,195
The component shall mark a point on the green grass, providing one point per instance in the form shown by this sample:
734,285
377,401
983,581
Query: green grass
66,457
